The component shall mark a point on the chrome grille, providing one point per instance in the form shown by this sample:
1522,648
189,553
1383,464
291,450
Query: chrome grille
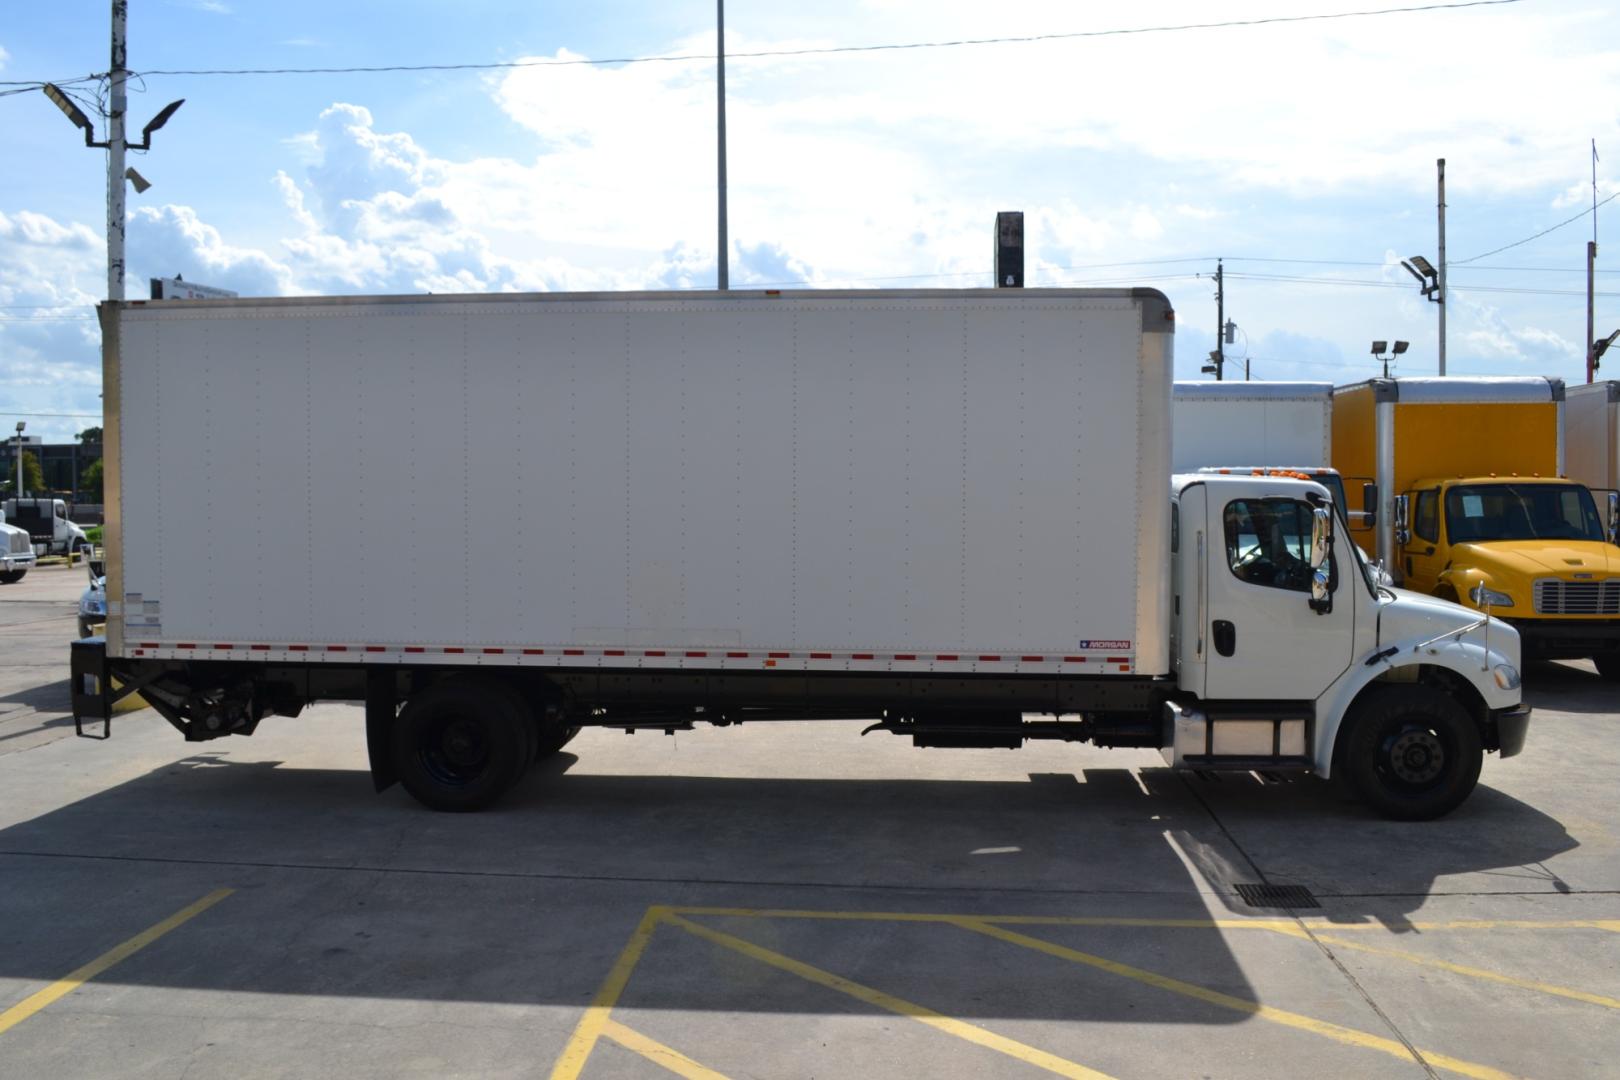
1555,596
20,541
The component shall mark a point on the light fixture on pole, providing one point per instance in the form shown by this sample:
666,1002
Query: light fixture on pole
1379,348
115,144
1601,346
1431,282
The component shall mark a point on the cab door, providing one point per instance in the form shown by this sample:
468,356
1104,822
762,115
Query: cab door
1263,638
1422,557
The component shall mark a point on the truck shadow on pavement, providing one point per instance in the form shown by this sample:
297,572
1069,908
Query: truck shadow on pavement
376,896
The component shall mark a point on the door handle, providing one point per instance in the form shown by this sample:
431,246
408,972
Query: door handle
1225,635
1429,550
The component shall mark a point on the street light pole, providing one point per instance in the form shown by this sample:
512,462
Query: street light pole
1440,276
724,272
21,425
118,103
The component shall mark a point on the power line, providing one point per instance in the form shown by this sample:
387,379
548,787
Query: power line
1567,221
828,50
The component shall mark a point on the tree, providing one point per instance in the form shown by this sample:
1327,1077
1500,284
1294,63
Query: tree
33,475
90,483
90,435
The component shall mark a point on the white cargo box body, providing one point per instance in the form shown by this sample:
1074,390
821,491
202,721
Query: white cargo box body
950,481
1252,423
1592,434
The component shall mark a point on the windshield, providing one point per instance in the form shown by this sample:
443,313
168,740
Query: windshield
1477,513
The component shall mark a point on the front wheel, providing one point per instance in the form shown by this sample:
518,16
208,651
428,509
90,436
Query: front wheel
462,743
11,577
1412,752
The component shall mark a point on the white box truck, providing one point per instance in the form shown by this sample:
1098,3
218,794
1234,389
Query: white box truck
1257,425
1592,434
950,512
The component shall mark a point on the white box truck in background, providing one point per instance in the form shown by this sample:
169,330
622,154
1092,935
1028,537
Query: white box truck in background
947,511
1592,435
1257,425
46,522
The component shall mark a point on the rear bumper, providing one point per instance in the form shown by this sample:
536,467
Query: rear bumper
1567,639
1510,726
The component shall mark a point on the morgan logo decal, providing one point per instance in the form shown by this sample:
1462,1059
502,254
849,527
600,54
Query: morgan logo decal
1099,644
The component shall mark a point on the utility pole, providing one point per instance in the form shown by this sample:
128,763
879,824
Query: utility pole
1591,271
115,145
1440,279
720,95
1220,322
117,74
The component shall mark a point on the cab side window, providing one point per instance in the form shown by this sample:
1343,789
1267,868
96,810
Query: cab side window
1426,517
1268,542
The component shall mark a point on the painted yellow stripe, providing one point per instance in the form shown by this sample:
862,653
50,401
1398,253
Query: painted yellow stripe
65,986
1283,925
1337,1032
921,1013
1462,969
595,1021
657,1053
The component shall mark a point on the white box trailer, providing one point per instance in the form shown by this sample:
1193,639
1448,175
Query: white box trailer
496,519
1592,434
1256,425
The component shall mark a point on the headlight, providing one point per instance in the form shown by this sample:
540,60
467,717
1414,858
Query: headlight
1507,676
1484,597
92,605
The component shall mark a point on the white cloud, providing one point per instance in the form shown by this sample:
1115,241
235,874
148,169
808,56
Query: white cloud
4,56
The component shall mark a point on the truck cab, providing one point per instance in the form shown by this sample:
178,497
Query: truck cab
16,554
1289,652
1538,552
47,524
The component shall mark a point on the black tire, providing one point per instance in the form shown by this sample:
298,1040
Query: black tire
1411,752
1608,665
11,577
462,743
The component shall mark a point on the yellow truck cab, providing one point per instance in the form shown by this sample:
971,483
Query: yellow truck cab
1469,502
1535,551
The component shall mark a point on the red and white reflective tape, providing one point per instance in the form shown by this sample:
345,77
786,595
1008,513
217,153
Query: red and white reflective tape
574,655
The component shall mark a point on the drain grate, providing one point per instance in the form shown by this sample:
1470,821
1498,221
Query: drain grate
1276,896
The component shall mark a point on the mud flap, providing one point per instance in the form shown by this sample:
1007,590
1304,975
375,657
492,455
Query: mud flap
382,708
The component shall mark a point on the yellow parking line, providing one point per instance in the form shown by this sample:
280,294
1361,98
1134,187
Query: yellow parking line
1145,923
595,1021
657,1053
1461,969
1337,1032
66,985
959,1028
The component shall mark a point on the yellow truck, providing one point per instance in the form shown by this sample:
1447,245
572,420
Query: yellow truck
1469,502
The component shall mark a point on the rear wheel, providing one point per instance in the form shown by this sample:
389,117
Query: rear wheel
462,743
1608,665
11,577
1412,753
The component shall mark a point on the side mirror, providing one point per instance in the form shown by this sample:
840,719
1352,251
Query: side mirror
1614,517
1402,533
1369,504
1321,549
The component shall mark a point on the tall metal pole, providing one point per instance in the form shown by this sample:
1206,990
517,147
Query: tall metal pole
720,96
1591,270
1220,322
117,74
1440,277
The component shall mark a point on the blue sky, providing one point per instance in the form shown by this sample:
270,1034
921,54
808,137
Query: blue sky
1137,159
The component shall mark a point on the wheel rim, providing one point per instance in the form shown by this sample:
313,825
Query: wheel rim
1413,757
455,750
